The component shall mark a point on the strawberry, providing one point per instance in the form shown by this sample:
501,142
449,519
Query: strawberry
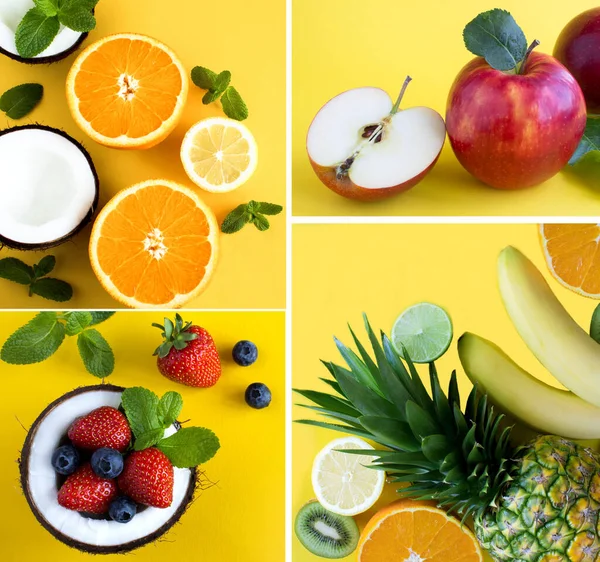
188,354
147,478
103,427
85,491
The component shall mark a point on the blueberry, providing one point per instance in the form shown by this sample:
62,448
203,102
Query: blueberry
65,460
107,463
122,510
245,353
258,395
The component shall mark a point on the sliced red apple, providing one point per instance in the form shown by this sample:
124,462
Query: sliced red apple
363,147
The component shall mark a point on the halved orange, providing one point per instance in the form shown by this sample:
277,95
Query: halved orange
154,245
572,253
410,530
127,91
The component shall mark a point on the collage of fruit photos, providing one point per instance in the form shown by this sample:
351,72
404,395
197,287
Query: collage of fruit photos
292,280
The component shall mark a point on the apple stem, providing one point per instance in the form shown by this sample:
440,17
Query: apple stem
533,45
400,96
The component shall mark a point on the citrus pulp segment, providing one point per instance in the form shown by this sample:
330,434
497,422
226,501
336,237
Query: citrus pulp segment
154,244
127,91
219,154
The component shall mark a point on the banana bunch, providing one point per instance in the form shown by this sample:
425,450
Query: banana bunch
557,341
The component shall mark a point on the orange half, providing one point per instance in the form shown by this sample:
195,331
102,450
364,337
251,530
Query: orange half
572,253
414,530
127,91
154,245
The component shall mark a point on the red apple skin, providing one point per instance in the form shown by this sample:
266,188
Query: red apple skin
347,188
515,131
578,48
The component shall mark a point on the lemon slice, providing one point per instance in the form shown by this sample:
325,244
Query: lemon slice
219,154
342,482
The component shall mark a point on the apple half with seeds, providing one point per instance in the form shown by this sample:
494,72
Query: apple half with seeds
49,187
40,482
362,146
12,12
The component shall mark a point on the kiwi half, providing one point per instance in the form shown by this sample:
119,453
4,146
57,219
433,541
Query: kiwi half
324,533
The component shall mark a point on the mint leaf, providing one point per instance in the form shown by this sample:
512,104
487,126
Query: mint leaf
76,17
261,222
204,78
595,325
52,289
34,342
148,439
21,100
99,316
222,81
169,408
590,141
77,321
15,270
233,104
269,208
210,97
45,266
96,354
236,220
190,446
47,7
35,33
496,36
141,406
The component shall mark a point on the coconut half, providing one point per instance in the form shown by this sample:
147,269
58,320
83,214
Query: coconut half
40,482
49,187
11,13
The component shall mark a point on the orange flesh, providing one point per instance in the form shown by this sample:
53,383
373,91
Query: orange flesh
154,269
574,254
127,87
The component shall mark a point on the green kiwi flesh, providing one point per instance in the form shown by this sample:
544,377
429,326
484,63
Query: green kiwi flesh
326,534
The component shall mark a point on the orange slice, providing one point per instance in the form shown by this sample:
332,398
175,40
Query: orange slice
127,91
410,530
154,245
572,253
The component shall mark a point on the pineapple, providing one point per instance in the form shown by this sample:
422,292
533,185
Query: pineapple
538,503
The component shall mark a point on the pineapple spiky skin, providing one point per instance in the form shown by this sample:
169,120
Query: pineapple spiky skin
549,511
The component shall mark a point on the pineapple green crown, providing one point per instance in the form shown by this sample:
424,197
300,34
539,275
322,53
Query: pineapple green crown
459,459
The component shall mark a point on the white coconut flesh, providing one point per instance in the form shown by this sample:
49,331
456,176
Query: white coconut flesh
410,143
47,186
43,489
11,14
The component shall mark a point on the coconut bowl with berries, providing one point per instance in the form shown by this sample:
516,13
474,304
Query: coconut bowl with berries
107,469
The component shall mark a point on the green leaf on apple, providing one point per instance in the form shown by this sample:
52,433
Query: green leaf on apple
496,36
590,141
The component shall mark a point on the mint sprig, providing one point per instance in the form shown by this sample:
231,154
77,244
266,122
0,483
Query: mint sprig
149,416
40,25
218,87
253,212
41,337
36,278
21,100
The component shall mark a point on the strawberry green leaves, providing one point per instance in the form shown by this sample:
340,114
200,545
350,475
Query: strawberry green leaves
496,36
590,141
35,278
41,337
218,86
149,416
250,213
21,100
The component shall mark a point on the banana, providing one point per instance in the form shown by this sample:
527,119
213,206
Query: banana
522,396
558,342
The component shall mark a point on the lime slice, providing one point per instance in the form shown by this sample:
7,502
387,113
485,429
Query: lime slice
425,330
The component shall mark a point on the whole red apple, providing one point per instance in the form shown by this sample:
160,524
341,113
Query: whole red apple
578,48
515,130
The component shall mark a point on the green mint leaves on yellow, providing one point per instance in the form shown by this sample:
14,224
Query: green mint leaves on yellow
36,279
218,86
250,213
21,100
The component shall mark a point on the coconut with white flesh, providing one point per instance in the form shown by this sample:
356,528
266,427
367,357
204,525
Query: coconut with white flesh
48,187
39,482
362,146
11,13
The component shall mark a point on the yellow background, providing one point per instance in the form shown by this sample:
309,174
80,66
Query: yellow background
343,44
235,36
239,519
381,270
